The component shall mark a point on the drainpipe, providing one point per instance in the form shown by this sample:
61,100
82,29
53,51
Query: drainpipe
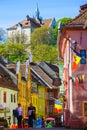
70,102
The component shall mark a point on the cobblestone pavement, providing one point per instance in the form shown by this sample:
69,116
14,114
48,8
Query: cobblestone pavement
57,128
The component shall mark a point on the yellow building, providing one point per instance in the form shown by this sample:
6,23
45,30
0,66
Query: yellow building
34,100
35,86
38,100
24,86
41,100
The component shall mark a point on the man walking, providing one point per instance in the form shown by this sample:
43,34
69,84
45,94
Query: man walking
31,114
20,115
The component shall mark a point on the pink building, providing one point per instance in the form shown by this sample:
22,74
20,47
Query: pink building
74,36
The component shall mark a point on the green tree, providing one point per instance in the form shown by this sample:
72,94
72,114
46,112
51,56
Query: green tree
44,52
2,34
13,51
43,35
42,46
63,21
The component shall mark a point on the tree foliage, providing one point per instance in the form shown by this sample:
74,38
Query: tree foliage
43,35
63,21
42,46
13,51
45,52
2,34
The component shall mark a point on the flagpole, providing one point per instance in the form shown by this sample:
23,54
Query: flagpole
70,81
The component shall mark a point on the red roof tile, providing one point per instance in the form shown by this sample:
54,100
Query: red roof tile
31,22
47,21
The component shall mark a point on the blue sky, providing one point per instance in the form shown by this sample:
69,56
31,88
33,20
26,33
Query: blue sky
14,11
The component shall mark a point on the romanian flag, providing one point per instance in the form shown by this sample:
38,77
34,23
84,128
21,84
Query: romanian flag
77,53
76,60
57,107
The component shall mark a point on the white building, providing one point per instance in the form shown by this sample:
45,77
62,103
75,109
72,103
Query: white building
8,93
28,25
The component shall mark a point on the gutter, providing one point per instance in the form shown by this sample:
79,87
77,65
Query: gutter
41,78
73,26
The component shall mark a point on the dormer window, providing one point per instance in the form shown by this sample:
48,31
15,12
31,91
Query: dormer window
19,24
26,23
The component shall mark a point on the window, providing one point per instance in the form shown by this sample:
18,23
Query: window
11,98
4,97
50,94
85,108
83,59
34,88
50,108
14,98
36,101
40,94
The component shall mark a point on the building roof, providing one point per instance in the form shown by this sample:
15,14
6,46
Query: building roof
26,23
50,69
31,22
42,75
7,79
47,21
80,19
2,61
38,74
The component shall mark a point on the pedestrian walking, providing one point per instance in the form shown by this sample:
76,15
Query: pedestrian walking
31,115
20,115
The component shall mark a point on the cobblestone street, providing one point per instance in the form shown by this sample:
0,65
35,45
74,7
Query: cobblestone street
57,128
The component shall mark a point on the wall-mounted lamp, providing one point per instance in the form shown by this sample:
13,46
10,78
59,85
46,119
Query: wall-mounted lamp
74,43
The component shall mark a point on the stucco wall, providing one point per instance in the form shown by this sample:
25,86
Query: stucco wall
9,104
80,36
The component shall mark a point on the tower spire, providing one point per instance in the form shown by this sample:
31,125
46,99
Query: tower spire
37,12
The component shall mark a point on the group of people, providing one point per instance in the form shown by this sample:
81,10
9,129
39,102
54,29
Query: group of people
18,113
